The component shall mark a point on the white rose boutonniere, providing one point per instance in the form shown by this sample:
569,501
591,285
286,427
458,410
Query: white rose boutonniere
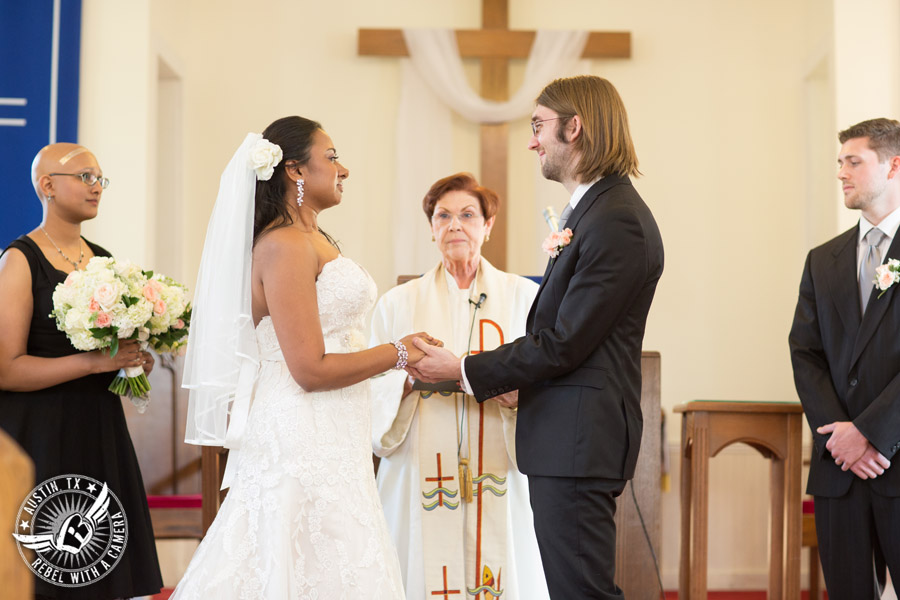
887,275
264,156
556,241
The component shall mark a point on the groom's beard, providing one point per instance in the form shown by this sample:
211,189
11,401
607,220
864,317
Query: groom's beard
556,164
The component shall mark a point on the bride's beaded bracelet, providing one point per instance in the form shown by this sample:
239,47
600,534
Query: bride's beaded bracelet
402,354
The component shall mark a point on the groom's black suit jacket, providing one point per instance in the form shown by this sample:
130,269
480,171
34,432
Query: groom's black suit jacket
847,367
578,368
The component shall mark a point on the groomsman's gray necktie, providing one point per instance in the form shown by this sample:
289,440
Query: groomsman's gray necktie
873,238
567,212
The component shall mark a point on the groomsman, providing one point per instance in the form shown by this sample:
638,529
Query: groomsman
845,350
578,368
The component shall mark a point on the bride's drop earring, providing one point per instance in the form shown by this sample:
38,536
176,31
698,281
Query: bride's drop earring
299,192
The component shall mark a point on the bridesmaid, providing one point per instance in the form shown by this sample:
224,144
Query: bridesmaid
54,400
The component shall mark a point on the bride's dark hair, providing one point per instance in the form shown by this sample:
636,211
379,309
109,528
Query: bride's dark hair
295,137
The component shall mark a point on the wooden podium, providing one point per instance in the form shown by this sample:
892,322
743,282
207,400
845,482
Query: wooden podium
635,570
772,428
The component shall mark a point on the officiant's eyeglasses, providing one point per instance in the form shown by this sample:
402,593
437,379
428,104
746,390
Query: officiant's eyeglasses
88,179
535,125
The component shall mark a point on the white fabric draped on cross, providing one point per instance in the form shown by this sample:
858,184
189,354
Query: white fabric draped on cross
434,84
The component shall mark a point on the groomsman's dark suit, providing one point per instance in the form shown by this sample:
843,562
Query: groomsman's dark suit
578,372
847,368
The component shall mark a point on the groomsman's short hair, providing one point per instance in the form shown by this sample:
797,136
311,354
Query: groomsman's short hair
605,144
883,134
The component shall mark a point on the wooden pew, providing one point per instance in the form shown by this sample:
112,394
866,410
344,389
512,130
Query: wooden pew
16,481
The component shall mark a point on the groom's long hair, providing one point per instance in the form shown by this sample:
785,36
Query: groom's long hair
605,145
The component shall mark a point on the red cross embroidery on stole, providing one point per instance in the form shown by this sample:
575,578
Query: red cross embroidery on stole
439,479
445,592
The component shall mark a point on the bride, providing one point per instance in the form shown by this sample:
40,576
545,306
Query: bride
277,344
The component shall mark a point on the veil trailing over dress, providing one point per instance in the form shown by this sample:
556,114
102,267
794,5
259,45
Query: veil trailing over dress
223,357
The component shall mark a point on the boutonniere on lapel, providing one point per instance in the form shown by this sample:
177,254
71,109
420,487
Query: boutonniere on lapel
887,275
556,241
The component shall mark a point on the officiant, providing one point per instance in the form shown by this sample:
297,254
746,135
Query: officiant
455,503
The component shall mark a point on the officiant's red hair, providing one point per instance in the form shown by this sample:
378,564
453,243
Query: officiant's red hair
605,143
461,182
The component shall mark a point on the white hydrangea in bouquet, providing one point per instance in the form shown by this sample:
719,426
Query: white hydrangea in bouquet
114,300
101,305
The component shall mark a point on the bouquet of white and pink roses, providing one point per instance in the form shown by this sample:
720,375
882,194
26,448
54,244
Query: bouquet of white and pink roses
168,327
114,300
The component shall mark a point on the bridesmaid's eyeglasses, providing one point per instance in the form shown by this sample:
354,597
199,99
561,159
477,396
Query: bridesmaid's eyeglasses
89,179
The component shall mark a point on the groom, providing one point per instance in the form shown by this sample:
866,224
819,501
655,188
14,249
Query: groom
578,368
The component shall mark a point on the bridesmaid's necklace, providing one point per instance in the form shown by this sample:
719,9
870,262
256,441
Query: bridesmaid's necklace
63,254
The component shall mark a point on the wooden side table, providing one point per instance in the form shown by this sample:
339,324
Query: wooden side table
773,429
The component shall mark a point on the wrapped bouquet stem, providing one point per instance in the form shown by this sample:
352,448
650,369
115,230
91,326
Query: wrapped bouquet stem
132,382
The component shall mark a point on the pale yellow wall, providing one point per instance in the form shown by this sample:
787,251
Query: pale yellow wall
733,105
114,121
713,90
867,61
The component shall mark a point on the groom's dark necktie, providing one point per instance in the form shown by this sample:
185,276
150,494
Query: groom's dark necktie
873,239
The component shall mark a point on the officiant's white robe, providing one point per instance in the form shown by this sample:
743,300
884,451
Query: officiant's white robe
396,428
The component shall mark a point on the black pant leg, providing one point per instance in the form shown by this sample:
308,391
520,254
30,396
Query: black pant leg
574,519
886,513
845,530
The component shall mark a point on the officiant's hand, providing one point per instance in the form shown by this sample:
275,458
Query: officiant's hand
508,400
437,364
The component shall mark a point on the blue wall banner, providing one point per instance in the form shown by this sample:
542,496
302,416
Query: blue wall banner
40,43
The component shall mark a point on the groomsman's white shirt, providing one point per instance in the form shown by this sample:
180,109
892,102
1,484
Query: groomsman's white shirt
888,226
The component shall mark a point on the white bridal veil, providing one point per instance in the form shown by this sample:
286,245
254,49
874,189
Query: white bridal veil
222,356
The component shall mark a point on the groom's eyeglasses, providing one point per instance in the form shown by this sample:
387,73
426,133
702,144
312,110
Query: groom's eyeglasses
536,125
88,179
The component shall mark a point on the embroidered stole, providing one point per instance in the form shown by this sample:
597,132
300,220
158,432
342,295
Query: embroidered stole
464,542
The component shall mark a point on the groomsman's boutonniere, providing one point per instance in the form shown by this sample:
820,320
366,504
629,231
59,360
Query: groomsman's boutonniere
556,241
887,275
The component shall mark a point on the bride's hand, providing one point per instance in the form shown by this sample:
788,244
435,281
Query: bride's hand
415,355
432,341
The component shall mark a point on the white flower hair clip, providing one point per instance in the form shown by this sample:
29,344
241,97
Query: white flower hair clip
264,156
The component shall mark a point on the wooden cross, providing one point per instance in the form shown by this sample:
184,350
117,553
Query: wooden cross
444,592
440,479
494,45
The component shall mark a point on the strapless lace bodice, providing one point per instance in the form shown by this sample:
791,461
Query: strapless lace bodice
302,519
346,294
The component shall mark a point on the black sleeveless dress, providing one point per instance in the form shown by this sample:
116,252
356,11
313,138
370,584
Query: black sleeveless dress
78,427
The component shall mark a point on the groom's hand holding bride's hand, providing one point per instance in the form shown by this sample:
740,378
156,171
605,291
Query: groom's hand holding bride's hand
414,353
436,364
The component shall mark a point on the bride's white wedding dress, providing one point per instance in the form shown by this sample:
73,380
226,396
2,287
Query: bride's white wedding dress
303,518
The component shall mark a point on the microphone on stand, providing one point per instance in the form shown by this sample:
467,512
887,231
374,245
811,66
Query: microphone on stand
481,300
551,218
